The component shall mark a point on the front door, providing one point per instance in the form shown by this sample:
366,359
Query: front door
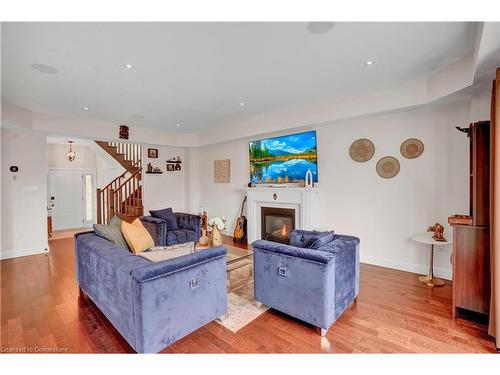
71,198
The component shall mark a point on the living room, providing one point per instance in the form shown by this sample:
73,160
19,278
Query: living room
340,196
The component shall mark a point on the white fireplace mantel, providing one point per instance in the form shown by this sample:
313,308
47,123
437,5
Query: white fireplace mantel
300,199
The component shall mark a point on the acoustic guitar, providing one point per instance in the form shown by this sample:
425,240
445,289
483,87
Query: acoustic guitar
240,229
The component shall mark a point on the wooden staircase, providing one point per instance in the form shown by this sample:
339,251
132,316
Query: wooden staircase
122,196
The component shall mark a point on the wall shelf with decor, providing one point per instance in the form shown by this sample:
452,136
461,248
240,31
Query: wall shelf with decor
160,172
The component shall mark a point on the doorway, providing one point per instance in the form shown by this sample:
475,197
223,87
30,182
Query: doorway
71,198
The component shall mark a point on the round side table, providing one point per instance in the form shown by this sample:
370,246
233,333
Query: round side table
426,238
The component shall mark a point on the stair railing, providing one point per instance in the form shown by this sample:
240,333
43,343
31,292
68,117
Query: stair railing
109,196
131,151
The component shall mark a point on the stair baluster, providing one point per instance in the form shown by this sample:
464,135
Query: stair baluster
122,196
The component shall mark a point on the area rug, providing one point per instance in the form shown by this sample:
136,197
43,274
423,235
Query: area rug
240,312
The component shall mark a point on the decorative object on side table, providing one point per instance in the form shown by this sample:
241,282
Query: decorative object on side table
438,230
388,167
204,240
426,238
123,132
217,224
152,153
412,148
362,150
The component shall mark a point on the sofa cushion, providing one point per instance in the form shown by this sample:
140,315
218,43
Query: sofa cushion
322,241
180,236
112,232
161,253
168,215
305,238
137,237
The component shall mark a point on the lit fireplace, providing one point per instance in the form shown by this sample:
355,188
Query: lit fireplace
277,223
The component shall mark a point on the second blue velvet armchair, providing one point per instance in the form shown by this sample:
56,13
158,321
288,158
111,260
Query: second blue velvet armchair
314,279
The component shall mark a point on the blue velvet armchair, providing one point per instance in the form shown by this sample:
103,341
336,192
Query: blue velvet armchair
188,229
313,279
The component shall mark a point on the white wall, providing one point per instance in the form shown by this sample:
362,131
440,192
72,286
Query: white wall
24,204
355,200
56,157
167,189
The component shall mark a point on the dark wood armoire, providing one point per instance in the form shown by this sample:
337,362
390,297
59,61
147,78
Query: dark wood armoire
471,237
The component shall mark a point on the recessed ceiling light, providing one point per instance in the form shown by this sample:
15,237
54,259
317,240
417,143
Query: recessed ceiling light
129,66
242,104
44,68
85,108
369,62
178,125
319,27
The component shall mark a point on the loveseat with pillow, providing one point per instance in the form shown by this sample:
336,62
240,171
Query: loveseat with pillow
171,228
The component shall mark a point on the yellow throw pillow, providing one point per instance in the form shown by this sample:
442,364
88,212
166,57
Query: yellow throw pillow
137,237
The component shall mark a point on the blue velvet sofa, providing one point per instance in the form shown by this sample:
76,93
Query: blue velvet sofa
315,285
152,305
188,229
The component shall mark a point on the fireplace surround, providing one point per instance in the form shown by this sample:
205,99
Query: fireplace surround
276,223
302,200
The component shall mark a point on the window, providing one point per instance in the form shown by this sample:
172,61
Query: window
89,197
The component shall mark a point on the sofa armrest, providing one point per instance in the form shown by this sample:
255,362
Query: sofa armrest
171,266
315,256
157,228
189,222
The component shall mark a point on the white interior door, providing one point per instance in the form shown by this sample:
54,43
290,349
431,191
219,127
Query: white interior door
71,198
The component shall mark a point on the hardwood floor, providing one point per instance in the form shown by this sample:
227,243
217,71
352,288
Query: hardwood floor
41,308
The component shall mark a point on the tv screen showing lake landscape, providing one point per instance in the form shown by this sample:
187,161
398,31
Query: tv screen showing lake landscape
283,160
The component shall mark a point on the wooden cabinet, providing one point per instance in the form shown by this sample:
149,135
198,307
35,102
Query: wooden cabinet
471,243
471,268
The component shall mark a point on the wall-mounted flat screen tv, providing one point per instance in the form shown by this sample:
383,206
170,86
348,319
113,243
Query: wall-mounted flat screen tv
283,160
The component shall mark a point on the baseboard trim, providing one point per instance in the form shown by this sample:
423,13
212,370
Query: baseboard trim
9,254
421,269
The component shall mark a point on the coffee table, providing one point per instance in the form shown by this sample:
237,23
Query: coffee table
236,259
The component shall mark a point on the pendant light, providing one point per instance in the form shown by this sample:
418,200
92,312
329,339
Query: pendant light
70,155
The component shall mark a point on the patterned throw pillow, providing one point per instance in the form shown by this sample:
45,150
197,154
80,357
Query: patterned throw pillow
112,232
137,237
168,215
323,241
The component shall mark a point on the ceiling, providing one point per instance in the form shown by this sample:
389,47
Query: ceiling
197,74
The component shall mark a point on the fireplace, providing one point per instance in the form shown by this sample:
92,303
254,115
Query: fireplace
277,223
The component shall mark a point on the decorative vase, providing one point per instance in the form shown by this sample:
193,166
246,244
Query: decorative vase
204,240
215,236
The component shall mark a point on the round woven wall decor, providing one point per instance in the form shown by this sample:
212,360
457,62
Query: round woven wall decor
388,167
362,150
412,148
